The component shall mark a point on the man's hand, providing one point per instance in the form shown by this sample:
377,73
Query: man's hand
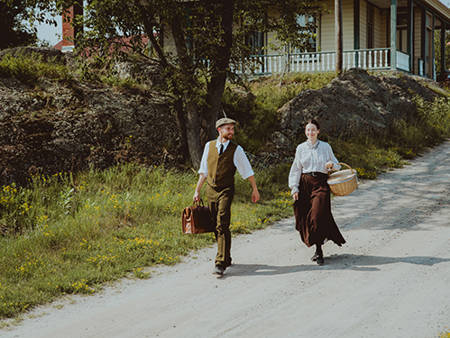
255,195
295,196
198,188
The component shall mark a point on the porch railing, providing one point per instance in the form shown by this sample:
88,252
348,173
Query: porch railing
402,61
370,59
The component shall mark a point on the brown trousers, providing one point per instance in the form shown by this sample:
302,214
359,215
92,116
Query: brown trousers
313,218
219,202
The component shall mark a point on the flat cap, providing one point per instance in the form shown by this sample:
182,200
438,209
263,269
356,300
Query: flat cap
224,120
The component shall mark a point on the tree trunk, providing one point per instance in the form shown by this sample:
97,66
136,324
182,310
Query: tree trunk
219,67
185,85
170,69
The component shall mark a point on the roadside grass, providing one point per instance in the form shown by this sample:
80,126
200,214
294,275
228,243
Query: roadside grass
71,233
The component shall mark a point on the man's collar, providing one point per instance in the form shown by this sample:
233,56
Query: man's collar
224,144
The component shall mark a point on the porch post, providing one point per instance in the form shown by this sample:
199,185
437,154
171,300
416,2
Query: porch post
411,35
443,65
433,63
338,32
393,34
423,43
356,28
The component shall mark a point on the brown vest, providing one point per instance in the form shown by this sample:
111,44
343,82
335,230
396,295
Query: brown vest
221,169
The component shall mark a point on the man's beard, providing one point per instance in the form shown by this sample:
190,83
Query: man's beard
227,136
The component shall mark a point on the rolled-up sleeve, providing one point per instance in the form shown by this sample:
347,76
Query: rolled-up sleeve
242,163
295,173
204,162
332,158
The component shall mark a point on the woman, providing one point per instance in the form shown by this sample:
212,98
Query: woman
311,193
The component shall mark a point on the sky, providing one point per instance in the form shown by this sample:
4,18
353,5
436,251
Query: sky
50,33
53,34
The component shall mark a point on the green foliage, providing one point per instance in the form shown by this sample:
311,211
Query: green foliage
13,13
437,51
78,231
29,69
366,156
272,93
127,83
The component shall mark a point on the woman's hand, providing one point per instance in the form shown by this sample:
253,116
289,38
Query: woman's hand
295,196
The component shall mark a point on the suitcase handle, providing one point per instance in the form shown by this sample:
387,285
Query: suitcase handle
199,203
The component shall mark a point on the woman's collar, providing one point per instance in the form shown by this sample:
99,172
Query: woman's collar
312,146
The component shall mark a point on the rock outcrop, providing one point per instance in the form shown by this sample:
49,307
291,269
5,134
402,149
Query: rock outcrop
54,126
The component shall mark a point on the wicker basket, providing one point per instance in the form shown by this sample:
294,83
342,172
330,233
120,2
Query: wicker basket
343,182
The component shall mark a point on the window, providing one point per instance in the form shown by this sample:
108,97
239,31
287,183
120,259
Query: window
402,31
305,23
255,40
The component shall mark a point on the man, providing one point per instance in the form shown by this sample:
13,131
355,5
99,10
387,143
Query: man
220,159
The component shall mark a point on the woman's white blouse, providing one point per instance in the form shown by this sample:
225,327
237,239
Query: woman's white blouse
309,158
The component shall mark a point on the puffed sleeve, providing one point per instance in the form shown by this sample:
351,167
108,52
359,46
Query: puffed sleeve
332,158
295,172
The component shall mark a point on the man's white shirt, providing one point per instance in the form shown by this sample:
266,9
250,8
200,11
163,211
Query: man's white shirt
240,160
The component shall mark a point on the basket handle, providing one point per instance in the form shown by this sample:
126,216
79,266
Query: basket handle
357,179
333,170
346,165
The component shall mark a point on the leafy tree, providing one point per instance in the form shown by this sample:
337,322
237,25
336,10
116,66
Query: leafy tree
13,31
17,19
209,38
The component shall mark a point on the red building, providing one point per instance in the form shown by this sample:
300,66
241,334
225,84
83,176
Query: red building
69,30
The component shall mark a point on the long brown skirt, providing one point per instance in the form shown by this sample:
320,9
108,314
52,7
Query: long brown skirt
313,218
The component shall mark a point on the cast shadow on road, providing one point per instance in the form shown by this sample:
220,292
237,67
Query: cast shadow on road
334,262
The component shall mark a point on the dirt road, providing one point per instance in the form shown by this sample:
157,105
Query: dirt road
391,279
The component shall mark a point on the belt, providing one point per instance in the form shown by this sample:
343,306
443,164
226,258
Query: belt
315,174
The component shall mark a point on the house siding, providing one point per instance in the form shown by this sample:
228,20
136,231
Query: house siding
363,24
417,38
328,39
380,28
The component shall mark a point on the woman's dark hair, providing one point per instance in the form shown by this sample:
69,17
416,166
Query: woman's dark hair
314,121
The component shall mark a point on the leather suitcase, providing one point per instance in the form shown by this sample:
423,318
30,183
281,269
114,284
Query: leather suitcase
197,219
